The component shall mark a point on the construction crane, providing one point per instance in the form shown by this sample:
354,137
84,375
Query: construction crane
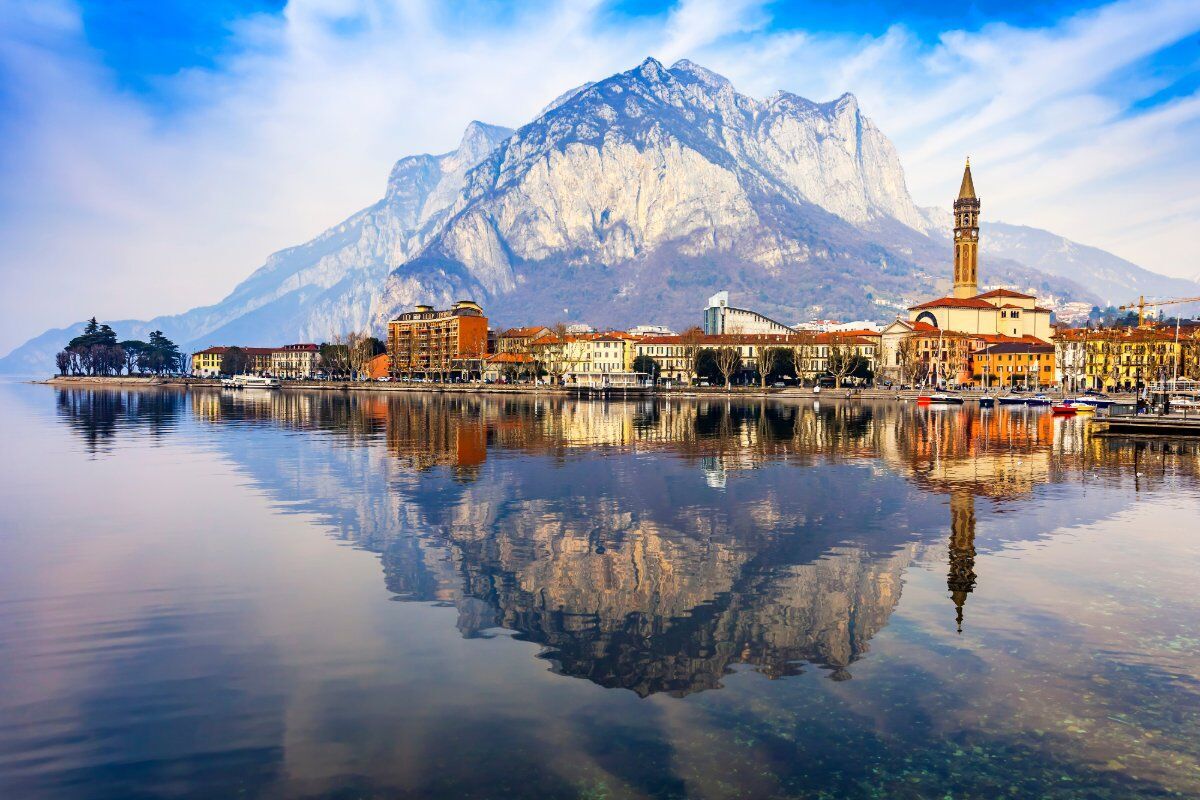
1141,305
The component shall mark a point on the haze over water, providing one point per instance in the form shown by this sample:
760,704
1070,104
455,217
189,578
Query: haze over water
323,594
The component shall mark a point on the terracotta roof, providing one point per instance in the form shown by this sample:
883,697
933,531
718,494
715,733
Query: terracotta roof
922,327
1004,293
999,338
1043,310
523,333
1017,347
510,358
864,332
955,302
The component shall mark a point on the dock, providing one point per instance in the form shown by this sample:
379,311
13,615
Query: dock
1147,424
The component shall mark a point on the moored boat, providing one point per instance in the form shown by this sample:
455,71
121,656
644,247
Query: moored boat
987,401
1038,400
1012,400
1063,409
250,382
944,399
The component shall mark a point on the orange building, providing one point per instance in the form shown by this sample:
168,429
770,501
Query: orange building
379,366
1008,362
425,342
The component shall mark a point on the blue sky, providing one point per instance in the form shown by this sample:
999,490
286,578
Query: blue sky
152,154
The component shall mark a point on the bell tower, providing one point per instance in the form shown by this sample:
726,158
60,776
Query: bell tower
966,238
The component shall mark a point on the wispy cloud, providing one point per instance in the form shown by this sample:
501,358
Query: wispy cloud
112,204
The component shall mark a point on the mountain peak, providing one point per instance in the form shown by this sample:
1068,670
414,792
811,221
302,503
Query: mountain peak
684,67
652,69
847,103
478,140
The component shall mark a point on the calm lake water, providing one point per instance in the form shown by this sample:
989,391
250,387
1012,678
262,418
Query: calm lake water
258,594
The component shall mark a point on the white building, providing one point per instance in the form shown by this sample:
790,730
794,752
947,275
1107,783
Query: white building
721,318
650,330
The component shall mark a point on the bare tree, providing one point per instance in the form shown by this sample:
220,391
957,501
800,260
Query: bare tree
728,359
842,358
359,350
766,360
908,358
690,340
63,361
803,353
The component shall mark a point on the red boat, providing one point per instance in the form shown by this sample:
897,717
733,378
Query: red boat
1065,409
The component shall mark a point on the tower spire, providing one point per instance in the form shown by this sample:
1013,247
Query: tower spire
966,238
967,190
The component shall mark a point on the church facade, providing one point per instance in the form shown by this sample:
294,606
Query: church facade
1000,312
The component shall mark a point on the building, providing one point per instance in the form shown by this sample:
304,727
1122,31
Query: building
517,340
1125,358
379,367
508,366
650,330
295,360
598,354
998,312
1013,363
832,325
207,363
813,355
721,318
425,342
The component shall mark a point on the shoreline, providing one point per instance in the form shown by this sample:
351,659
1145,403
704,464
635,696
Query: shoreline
116,381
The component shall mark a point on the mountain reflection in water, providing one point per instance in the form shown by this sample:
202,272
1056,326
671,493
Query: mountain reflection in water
656,567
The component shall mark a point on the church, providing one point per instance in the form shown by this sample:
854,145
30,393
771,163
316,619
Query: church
1000,312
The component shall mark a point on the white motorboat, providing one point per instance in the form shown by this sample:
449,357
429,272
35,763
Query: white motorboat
250,382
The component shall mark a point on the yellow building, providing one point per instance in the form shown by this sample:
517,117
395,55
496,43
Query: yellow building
1121,359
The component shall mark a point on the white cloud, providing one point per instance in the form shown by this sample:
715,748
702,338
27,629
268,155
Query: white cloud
111,206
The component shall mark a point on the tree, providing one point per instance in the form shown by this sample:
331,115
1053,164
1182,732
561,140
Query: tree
133,350
841,358
160,355
804,352
235,361
706,365
63,361
728,361
648,365
908,358
767,360
691,340
335,359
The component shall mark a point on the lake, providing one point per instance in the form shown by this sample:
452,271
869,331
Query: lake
346,595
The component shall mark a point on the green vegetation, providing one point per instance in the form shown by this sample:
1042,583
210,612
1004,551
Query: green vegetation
97,352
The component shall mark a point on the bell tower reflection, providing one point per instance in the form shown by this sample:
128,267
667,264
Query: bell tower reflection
961,578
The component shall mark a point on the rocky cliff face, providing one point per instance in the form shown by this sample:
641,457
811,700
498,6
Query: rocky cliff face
634,198
631,200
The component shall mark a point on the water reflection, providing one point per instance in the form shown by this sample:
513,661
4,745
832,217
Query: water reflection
644,574
659,547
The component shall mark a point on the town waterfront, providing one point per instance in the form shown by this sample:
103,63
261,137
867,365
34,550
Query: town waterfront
340,594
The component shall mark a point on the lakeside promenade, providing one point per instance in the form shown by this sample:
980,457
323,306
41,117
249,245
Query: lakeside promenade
80,381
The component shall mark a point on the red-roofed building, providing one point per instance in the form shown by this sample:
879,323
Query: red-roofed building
999,311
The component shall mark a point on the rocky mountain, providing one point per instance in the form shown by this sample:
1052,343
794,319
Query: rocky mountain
630,200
